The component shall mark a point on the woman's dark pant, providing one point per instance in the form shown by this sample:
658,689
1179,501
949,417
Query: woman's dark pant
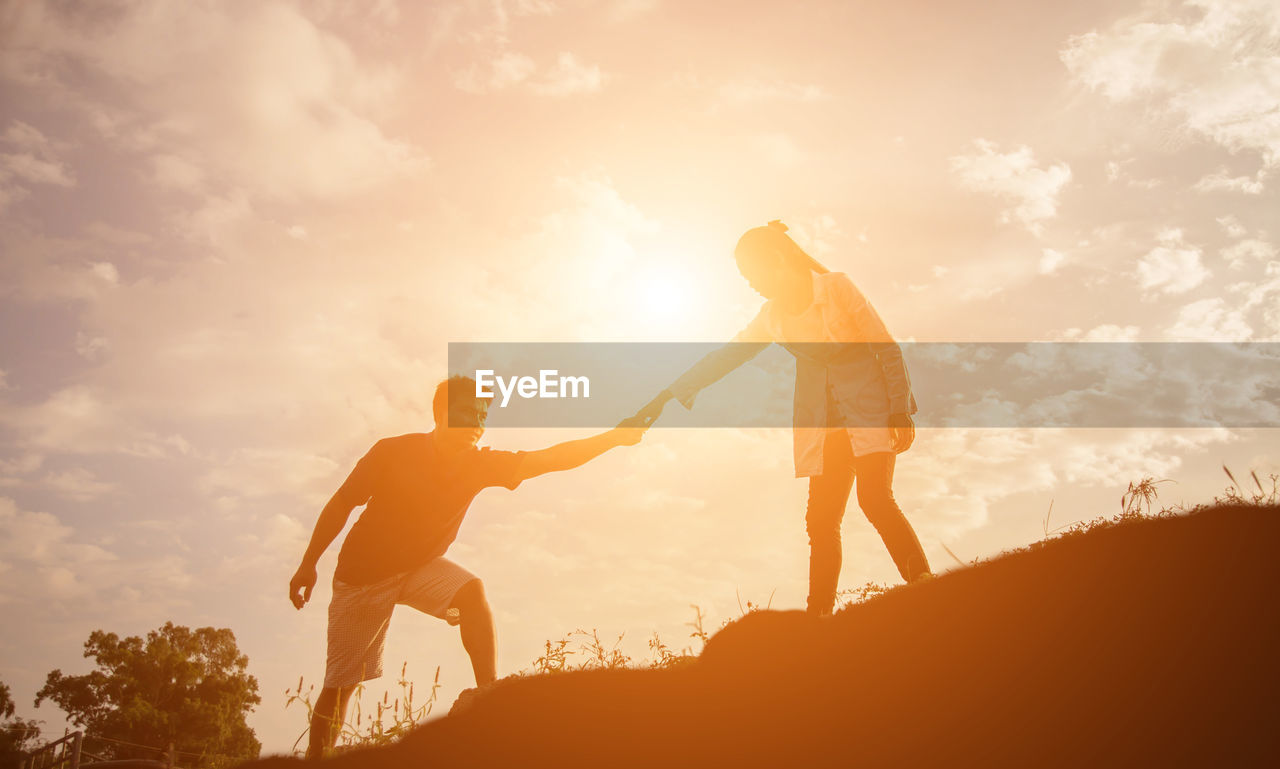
828,495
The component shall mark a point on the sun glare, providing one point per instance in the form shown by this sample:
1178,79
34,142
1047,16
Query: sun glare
664,296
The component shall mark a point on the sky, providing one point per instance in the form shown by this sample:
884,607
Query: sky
236,239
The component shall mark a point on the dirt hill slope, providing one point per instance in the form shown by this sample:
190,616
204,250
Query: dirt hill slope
1153,643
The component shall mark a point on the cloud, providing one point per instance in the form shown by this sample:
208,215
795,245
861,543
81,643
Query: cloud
382,11
256,473
961,474
41,539
77,484
49,569
1232,226
46,266
176,172
504,70
622,10
32,159
214,219
1213,65
216,113
91,347
1116,172
498,67
1250,251
217,366
10,195
570,76
26,136
79,419
29,168
1210,320
260,544
1072,385
16,471
1051,260
756,91
779,149
820,235
1264,293
1125,62
1221,182
106,271
1173,267
1107,332
596,229
1014,176
1111,333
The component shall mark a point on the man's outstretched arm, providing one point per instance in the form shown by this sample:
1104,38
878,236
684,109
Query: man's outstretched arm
332,518
571,454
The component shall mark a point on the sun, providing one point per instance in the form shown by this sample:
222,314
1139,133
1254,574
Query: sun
664,295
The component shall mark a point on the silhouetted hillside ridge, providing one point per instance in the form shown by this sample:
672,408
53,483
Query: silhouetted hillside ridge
1150,643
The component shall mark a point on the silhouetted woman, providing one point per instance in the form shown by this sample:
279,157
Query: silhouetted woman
853,400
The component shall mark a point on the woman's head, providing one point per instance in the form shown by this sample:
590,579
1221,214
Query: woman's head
771,261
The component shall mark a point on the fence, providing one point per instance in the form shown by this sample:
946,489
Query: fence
68,752
59,754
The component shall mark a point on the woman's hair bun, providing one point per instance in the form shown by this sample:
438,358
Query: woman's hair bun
777,224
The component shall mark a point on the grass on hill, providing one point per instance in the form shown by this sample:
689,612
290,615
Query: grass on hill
582,650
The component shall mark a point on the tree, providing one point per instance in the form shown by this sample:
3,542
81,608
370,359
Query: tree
17,736
181,686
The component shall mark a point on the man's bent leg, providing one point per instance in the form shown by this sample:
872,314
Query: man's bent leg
440,586
327,716
476,625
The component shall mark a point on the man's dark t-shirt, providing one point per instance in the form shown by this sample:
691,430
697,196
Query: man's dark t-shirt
416,502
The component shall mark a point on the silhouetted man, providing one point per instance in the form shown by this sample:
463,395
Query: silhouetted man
417,488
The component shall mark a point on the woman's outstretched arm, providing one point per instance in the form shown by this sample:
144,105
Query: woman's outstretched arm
746,345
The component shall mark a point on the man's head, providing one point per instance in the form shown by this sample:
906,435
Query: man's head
459,413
